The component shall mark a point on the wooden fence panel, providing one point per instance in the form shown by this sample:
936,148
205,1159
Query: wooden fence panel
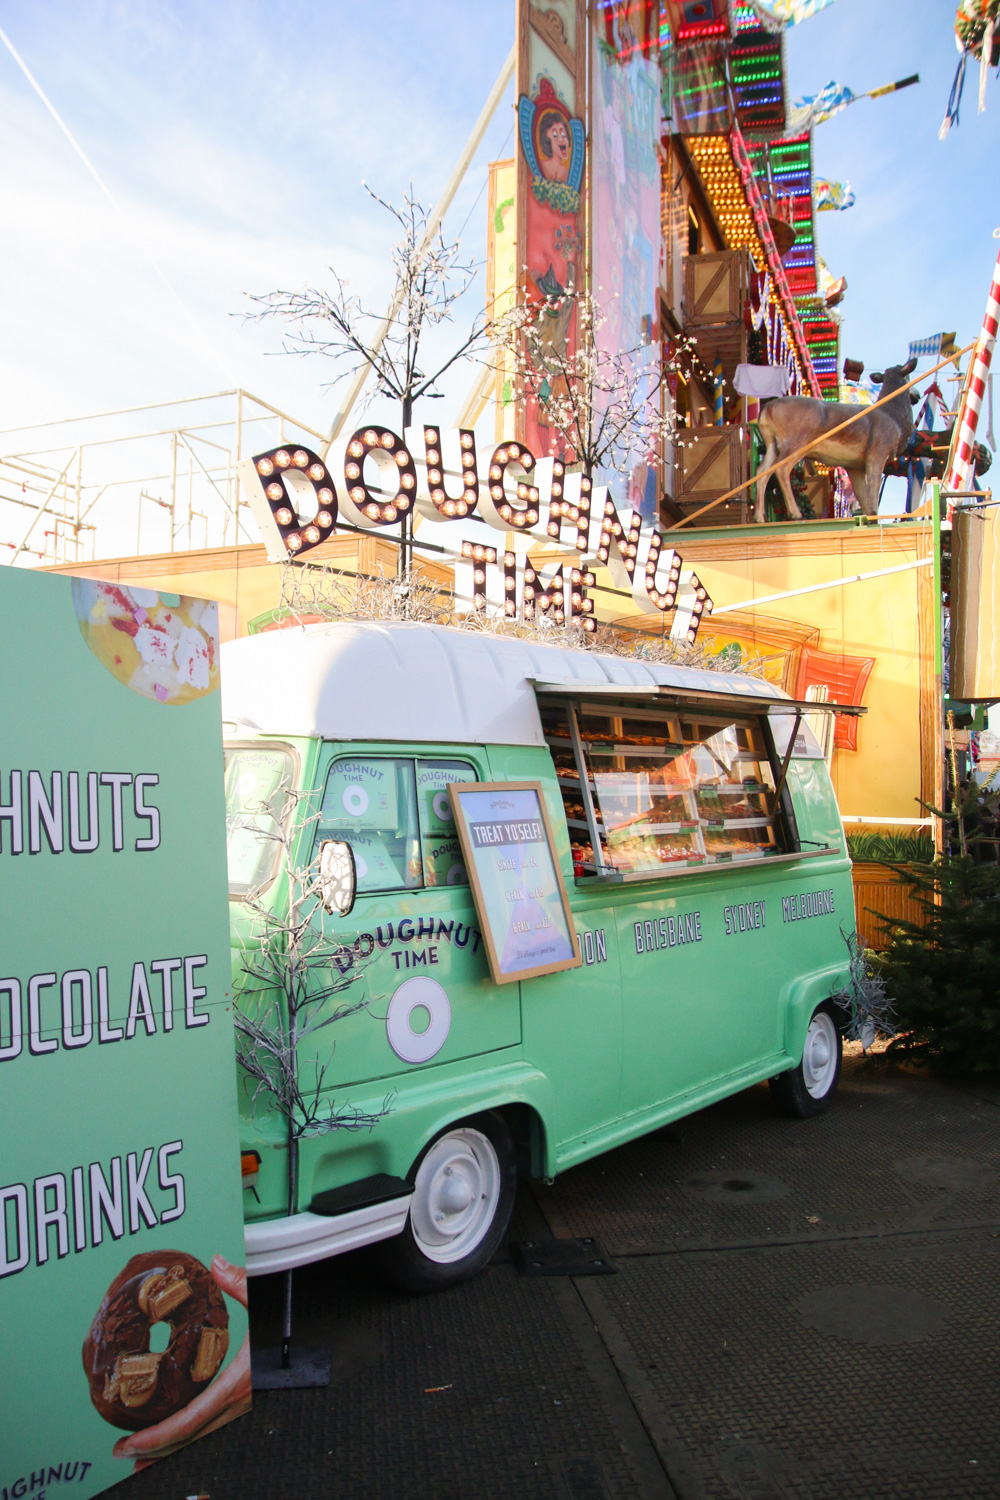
879,892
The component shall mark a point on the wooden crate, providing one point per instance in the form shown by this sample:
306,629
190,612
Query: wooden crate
711,461
714,288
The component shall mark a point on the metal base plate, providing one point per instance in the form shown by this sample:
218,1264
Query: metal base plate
307,1368
562,1258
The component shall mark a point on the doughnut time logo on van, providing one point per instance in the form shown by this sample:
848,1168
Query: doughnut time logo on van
374,479
360,789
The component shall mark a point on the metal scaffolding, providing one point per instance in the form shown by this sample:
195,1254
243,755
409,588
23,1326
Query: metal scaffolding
154,478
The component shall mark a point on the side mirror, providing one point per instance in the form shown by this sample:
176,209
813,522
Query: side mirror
338,876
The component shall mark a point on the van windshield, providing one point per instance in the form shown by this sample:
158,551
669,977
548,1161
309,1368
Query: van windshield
255,781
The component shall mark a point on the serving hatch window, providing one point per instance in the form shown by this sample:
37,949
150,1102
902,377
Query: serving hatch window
669,789
395,813
255,777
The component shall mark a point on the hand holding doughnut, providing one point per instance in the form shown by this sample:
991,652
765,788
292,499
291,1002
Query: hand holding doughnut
225,1398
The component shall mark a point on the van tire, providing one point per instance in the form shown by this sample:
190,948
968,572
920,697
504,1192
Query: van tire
463,1194
808,1089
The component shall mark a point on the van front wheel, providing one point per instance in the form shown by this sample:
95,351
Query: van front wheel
809,1089
463,1194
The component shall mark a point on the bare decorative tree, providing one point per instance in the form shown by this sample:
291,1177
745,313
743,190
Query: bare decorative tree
867,1007
294,972
603,406
430,278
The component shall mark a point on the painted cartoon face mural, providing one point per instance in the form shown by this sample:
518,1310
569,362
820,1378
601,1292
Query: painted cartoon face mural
556,150
553,145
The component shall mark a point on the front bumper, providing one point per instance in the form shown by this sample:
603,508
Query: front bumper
300,1239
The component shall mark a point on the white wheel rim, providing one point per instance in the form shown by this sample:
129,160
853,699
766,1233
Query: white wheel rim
819,1058
455,1195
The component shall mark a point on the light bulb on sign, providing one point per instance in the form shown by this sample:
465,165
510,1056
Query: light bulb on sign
499,510
292,497
395,466
458,462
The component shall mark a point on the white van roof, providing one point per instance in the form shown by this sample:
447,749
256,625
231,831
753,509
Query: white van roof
375,680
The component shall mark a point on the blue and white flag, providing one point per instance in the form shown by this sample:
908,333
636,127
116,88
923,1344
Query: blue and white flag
937,346
813,109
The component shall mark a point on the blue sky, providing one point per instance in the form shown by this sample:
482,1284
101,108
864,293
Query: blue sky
917,247
236,136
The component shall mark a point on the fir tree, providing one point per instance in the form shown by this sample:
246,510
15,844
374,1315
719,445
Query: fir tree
943,972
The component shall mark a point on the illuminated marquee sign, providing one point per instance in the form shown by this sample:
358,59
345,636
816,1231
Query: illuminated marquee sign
297,504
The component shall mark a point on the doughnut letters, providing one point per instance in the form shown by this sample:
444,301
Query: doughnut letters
294,498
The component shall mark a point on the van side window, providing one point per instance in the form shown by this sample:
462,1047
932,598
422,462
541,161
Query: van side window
372,802
667,789
256,776
396,815
442,854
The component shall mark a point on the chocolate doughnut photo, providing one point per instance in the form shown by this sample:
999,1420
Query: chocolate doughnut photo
159,1338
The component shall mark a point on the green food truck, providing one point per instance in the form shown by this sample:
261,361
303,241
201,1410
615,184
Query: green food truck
590,894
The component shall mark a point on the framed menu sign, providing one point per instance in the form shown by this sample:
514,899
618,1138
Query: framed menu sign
516,881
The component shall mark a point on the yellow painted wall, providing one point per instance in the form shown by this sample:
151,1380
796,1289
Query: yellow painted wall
241,578
883,618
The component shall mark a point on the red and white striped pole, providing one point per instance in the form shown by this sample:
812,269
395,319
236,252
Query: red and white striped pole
961,470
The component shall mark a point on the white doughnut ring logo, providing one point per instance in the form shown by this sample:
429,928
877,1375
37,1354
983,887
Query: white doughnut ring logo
442,807
457,875
418,1046
360,865
354,800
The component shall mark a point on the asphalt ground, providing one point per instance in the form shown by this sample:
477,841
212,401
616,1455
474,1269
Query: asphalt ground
800,1311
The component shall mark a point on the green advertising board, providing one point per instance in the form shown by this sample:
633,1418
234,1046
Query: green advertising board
122,1302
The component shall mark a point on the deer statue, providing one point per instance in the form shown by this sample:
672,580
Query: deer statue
790,423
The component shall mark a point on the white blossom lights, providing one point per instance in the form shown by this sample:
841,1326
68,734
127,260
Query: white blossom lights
479,556
393,457
453,507
499,510
278,484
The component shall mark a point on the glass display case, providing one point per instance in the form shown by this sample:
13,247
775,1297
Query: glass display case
666,791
